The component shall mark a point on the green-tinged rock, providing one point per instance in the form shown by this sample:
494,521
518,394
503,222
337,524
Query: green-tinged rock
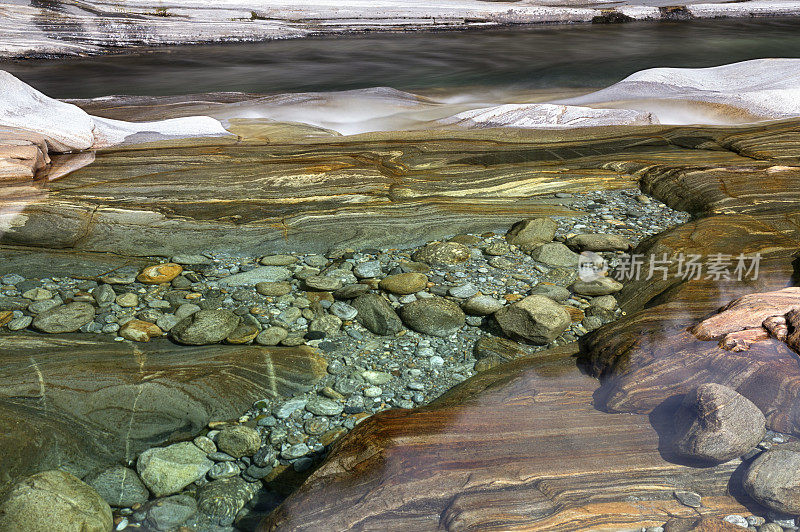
404,283
435,316
377,315
205,327
535,319
64,318
239,441
167,470
54,500
119,486
443,253
528,234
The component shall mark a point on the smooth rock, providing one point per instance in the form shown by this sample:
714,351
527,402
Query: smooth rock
481,305
528,234
328,324
404,283
435,316
64,318
274,289
239,440
221,500
535,319
119,486
205,327
242,334
554,292
272,336
323,283
715,423
598,287
262,274
321,406
700,524
442,253
367,270
773,479
54,499
160,273
598,242
278,260
167,470
491,351
555,254
170,513
140,331
377,315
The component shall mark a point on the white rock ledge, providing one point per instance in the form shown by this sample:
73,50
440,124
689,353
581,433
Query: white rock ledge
66,127
96,26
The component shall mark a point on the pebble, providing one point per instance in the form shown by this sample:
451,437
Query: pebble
688,498
321,406
295,451
737,520
372,391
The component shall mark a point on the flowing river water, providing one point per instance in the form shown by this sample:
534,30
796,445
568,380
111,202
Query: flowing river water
133,272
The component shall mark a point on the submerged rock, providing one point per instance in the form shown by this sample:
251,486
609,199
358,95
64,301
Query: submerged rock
54,500
205,327
167,470
64,318
119,486
535,319
435,316
773,479
377,315
717,424
528,234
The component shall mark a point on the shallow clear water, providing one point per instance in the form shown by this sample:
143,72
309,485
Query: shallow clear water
513,59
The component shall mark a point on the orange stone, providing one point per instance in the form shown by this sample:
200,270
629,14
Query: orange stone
160,273
575,313
140,331
5,317
512,297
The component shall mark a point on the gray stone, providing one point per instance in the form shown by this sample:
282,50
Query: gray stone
239,440
554,292
376,377
555,254
737,520
715,423
528,234
272,336
205,327
104,295
119,486
351,291
17,324
435,316
295,451
289,407
54,498
40,307
367,270
278,260
443,253
223,470
377,315
64,318
598,287
323,283
185,310
773,479
328,324
604,302
535,319
275,289
463,291
688,498
205,444
166,515
167,470
220,500
599,242
190,260
167,322
262,274
482,305
320,406
343,311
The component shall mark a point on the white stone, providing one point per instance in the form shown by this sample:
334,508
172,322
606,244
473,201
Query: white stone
546,116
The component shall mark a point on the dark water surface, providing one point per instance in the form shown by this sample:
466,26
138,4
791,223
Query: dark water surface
529,58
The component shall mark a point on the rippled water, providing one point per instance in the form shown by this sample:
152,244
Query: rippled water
515,59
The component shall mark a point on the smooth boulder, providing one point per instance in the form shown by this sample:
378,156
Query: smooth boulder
377,315
435,316
773,479
54,500
167,470
527,234
715,423
205,327
598,242
64,318
535,319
